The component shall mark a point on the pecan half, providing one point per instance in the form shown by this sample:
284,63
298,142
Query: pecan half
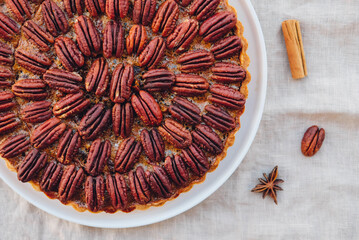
6,101
5,74
159,182
68,147
153,145
203,9
6,53
147,108
33,89
71,105
184,3
117,190
113,39
157,80
87,36
127,154
139,186
37,36
73,6
32,164
47,133
121,83
97,157
36,112
51,178
8,27
153,53
122,119
94,122
227,96
95,7
14,146
207,139
219,118
217,26
144,11
312,140
97,77
190,85
62,80
95,193
68,53
228,73
166,18
136,39
54,17
21,9
185,111
36,63
195,61
175,133
195,159
117,8
71,180
8,122
176,170
183,35
227,47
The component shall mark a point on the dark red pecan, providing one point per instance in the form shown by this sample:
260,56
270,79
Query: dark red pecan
21,9
5,74
159,182
122,119
121,83
139,186
147,108
33,89
127,155
47,133
37,36
95,193
31,165
227,47
117,190
87,36
176,170
71,105
14,146
185,111
36,63
117,8
157,80
175,133
312,140
183,35
203,9
195,159
144,11
228,73
54,17
64,81
184,3
51,178
153,145
97,157
8,27
113,39
6,53
190,85
136,39
217,26
68,53
68,147
94,122
153,53
207,139
6,101
71,181
195,61
36,112
97,77
218,118
74,6
227,96
8,122
95,7
166,18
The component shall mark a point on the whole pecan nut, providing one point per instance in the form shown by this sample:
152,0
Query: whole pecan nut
14,146
190,85
207,139
68,53
37,36
97,77
136,39
158,80
6,101
185,111
51,177
195,61
176,170
117,190
203,9
113,39
218,118
159,182
117,8
36,112
227,96
95,7
144,11
228,73
32,89
71,105
6,53
47,133
31,165
8,27
73,6
175,133
183,35
64,81
55,19
153,53
184,3
21,9
5,75
121,83
8,122
227,47
95,193
166,18
87,36
139,186
195,159
70,182
36,63
217,26
147,108
68,147
97,157
312,140
122,119
153,145
127,155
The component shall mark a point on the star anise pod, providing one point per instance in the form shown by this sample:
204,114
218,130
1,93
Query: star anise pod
269,185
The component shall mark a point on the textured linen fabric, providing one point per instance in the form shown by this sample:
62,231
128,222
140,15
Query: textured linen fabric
321,194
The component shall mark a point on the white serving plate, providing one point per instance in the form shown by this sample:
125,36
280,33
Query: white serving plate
244,137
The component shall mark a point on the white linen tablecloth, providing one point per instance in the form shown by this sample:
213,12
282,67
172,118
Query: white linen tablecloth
321,194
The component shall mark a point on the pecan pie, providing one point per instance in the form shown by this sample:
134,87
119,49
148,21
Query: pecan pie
111,105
